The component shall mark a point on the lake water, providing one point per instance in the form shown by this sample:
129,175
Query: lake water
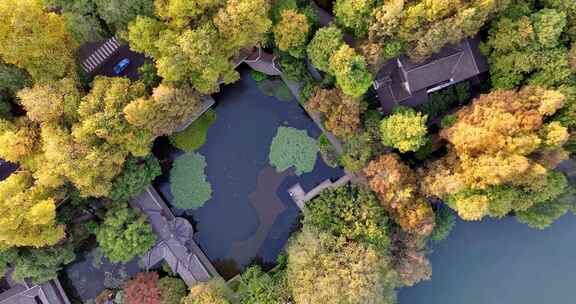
250,215
501,262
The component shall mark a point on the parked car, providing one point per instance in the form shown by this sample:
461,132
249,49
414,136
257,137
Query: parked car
121,66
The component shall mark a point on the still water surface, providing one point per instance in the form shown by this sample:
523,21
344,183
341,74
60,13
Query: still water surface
501,262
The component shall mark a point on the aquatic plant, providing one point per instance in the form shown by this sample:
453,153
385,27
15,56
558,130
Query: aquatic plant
194,136
293,148
188,182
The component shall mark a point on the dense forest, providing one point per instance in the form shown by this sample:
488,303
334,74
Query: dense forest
83,143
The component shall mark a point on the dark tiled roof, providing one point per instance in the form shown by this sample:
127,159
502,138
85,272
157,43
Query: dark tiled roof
175,244
49,292
402,81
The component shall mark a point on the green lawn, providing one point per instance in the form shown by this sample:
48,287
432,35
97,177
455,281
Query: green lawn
194,136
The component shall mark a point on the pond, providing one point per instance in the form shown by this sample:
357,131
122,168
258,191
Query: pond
250,215
501,261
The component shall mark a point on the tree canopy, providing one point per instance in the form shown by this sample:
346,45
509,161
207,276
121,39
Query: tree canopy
404,130
291,33
501,155
124,234
195,43
341,112
529,49
352,213
319,264
35,40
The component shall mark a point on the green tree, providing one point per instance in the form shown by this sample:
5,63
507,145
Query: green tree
319,264
322,47
355,15
291,33
118,13
7,257
188,182
41,265
258,287
35,40
445,221
124,234
172,290
351,71
137,175
214,291
404,130
293,148
528,50
350,212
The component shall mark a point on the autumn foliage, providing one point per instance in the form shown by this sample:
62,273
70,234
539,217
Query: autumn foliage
397,188
143,289
341,112
501,153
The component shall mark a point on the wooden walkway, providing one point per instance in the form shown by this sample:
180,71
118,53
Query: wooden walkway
300,197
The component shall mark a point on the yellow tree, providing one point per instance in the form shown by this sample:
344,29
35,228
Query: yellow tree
102,116
52,102
500,154
166,110
35,40
29,213
291,33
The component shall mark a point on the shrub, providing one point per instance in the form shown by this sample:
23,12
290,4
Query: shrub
448,120
149,75
195,135
188,182
327,151
124,234
358,150
137,175
171,290
294,69
445,221
258,76
293,148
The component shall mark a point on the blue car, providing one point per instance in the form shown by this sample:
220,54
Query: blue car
121,66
